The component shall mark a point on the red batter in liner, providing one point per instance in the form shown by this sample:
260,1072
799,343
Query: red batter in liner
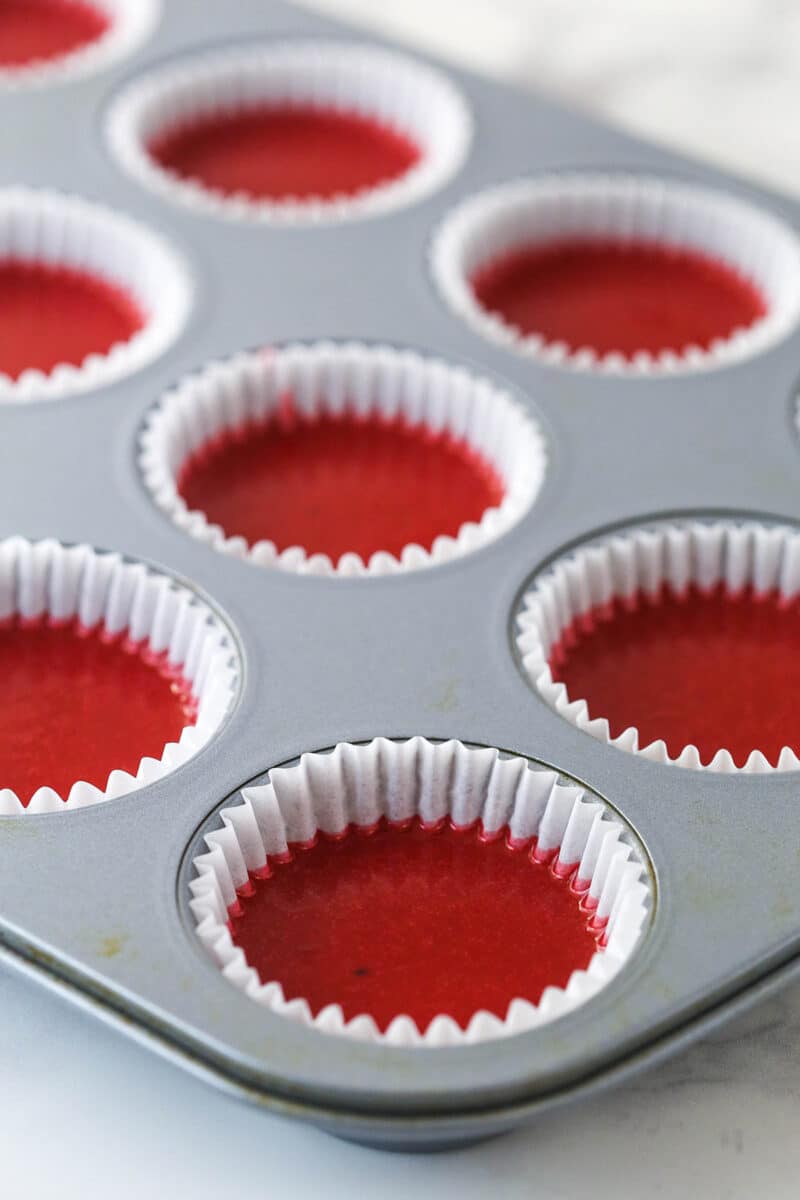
52,315
614,297
280,151
414,920
711,669
76,705
36,30
338,484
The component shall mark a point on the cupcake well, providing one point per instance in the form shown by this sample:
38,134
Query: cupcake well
698,243
158,636
409,790
414,126
695,624
90,295
487,434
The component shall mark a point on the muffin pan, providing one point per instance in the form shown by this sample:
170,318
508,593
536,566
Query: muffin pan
397,688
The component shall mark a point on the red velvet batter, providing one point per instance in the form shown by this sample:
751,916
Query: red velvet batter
403,919
613,297
337,484
76,705
51,315
705,668
34,30
281,151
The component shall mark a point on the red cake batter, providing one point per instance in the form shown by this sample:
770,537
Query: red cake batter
33,30
76,705
338,484
705,668
404,919
276,152
612,297
51,315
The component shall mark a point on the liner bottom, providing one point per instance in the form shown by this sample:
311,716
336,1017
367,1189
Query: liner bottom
706,667
615,297
78,704
404,918
34,31
338,485
285,151
51,315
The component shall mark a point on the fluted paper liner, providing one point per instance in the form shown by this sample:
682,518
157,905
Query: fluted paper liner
759,247
338,378
105,591
130,23
645,559
64,231
357,784
392,88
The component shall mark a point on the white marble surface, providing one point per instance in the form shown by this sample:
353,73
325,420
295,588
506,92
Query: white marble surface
86,1114
714,78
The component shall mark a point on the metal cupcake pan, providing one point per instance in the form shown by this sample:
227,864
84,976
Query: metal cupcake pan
95,901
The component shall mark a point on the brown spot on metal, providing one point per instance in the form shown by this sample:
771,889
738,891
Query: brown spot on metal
112,945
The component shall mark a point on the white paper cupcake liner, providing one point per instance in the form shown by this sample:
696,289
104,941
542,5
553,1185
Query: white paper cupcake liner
629,208
131,22
405,95
733,553
360,784
64,231
338,378
104,591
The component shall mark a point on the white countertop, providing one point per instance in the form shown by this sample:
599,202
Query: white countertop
84,1113
716,79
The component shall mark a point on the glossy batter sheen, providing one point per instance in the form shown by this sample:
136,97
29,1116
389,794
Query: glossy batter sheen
282,151
35,30
75,706
415,921
610,297
51,315
710,669
338,484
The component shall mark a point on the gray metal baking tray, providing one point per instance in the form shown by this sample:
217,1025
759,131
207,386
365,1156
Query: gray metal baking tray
95,904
